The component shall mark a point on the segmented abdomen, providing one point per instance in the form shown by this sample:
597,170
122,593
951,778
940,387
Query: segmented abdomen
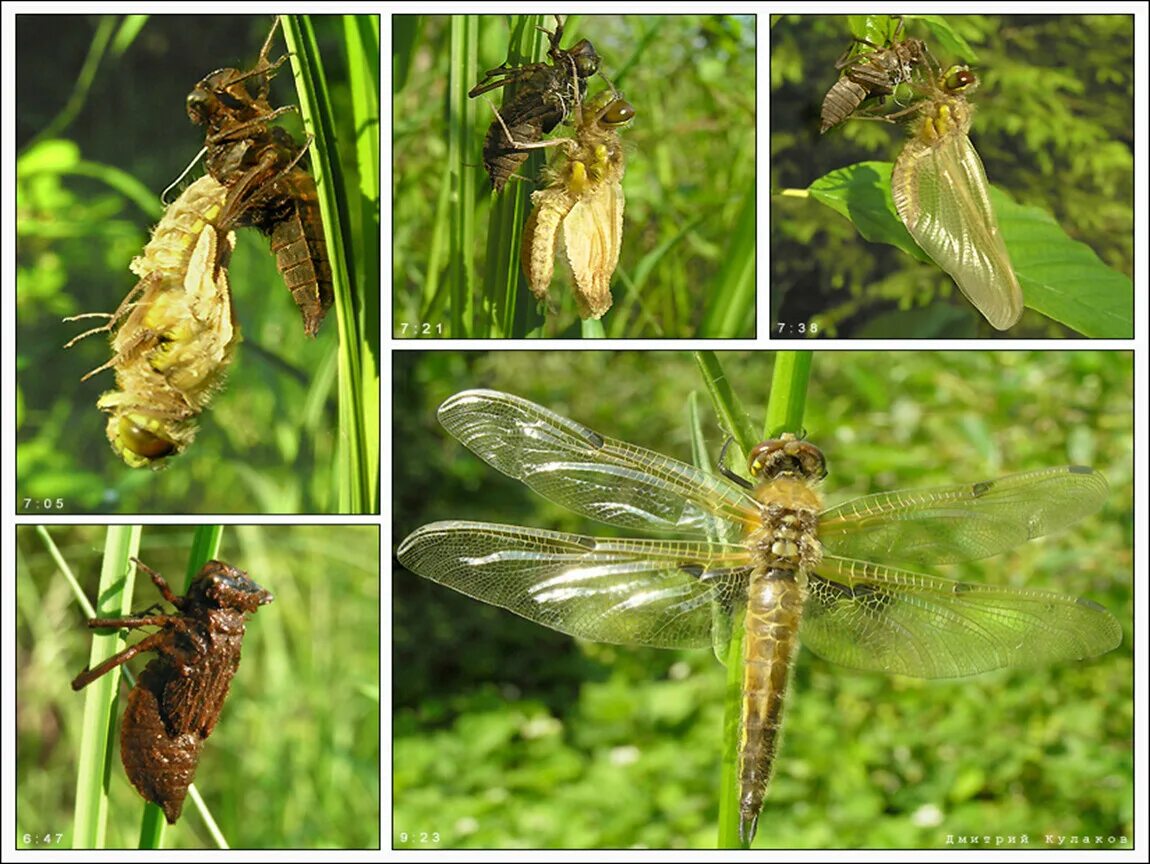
840,102
160,762
297,241
774,610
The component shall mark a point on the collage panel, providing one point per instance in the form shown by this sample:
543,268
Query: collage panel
574,176
957,678
952,176
198,230
194,749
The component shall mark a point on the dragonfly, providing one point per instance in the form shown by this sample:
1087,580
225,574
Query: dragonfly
586,198
763,550
942,195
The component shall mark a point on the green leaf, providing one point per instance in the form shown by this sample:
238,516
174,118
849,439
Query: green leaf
1060,277
952,42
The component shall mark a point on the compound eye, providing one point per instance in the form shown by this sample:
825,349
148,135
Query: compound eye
617,113
959,79
760,456
143,442
586,58
199,107
810,458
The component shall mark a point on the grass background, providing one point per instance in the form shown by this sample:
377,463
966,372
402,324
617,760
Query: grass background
507,734
294,761
688,237
1053,125
101,131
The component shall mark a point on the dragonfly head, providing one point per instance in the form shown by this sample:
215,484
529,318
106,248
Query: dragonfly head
787,456
585,58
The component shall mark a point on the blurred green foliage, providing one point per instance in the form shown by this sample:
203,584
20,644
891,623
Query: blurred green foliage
1053,126
689,182
294,761
510,735
101,131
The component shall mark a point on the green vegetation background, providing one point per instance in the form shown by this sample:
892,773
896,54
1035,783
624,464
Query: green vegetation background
507,734
689,183
88,194
294,761
1054,126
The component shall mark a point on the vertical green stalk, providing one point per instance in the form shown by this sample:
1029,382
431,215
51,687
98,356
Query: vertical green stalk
460,179
732,710
121,543
784,413
788,398
509,209
358,451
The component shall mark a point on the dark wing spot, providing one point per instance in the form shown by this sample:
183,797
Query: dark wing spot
979,489
595,439
868,596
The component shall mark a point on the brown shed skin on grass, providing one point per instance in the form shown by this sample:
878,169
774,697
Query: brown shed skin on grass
546,96
178,698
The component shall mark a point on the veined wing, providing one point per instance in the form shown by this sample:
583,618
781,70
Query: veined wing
947,524
612,481
661,593
940,191
879,619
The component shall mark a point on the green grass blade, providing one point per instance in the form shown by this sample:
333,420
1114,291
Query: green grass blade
732,416
732,708
459,179
101,696
362,40
347,240
731,310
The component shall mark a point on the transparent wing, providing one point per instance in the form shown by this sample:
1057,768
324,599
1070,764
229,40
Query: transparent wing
865,616
940,191
662,593
946,524
608,480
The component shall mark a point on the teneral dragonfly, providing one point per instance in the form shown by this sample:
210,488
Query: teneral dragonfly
801,573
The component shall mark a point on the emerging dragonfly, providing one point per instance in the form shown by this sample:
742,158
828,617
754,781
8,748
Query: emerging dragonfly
585,197
800,572
942,196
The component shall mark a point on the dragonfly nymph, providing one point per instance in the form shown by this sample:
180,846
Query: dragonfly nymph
802,573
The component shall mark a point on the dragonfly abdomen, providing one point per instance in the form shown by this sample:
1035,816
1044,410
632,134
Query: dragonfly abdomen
774,609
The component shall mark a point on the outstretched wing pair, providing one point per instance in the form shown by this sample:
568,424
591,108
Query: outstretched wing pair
674,593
